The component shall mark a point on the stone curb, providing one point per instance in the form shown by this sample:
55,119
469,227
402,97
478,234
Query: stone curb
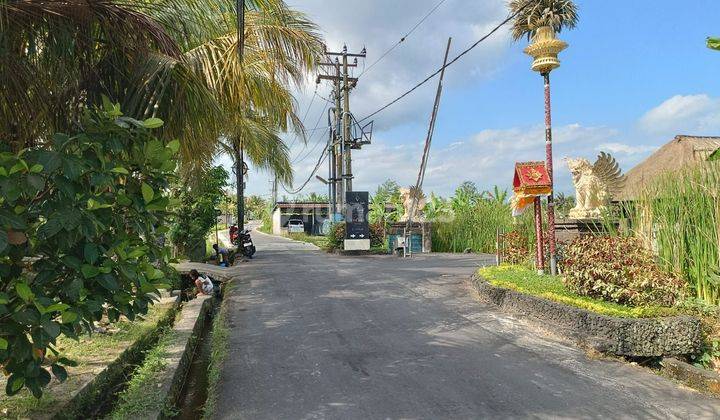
185,333
643,337
180,352
699,379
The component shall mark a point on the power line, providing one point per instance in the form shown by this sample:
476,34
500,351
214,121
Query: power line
317,123
310,152
312,174
305,115
389,50
427,79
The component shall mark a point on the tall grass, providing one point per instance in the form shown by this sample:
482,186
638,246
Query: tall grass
679,217
476,227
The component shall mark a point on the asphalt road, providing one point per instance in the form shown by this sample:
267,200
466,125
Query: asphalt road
322,336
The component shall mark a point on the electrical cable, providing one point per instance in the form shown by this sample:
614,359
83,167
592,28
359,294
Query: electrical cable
458,57
389,50
317,123
312,174
315,94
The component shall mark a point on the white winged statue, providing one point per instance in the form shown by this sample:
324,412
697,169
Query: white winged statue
595,185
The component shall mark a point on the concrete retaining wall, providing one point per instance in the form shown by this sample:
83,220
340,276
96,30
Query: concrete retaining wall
180,352
620,336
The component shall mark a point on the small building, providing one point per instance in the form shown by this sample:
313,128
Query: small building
312,214
680,153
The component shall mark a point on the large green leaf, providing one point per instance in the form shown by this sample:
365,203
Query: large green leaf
89,271
24,291
147,192
153,123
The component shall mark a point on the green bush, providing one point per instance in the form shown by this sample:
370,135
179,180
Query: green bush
195,216
336,236
81,226
618,269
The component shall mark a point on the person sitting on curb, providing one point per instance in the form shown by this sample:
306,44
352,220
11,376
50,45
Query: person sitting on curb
225,257
203,284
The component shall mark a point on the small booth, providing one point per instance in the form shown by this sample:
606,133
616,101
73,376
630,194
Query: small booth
531,181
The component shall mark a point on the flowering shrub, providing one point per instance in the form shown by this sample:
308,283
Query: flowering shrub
619,270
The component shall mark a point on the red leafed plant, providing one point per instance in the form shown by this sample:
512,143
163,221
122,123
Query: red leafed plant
515,248
618,269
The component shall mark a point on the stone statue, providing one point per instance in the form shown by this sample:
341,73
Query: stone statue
412,197
594,185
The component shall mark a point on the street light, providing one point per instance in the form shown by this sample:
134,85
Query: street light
544,49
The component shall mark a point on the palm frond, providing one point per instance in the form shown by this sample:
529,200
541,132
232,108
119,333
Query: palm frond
558,14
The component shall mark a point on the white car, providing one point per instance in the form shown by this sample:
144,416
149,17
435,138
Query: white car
296,226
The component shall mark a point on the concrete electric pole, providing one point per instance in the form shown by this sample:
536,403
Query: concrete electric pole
342,141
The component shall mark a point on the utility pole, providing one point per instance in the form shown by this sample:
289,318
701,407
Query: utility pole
238,149
274,190
342,141
343,84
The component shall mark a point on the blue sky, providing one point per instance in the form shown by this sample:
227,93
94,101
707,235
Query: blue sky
636,74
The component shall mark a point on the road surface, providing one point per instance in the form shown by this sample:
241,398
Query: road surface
321,336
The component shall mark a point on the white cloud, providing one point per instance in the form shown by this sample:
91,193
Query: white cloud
625,148
486,158
683,114
377,25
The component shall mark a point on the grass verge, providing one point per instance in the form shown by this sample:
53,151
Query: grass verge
319,241
218,351
136,399
92,353
551,287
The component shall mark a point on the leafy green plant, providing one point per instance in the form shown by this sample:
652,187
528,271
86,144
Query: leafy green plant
81,223
196,213
618,269
708,356
336,237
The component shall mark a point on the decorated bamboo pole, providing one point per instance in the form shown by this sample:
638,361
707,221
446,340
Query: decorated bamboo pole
544,49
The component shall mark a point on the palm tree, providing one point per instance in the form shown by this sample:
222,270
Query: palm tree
172,59
530,16
59,57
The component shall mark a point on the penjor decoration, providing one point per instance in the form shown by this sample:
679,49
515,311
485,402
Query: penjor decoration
595,185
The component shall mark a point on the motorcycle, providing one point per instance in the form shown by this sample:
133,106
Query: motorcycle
243,242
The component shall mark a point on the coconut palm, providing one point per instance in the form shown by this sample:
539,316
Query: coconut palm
172,59
531,15
59,57
281,48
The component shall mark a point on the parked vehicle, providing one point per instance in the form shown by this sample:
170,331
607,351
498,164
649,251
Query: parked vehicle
245,244
296,226
242,241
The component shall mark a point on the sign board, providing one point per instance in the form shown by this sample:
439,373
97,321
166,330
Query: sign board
357,227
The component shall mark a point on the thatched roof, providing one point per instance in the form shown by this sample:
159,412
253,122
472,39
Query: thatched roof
680,153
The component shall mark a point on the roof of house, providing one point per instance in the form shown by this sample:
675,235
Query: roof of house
681,152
